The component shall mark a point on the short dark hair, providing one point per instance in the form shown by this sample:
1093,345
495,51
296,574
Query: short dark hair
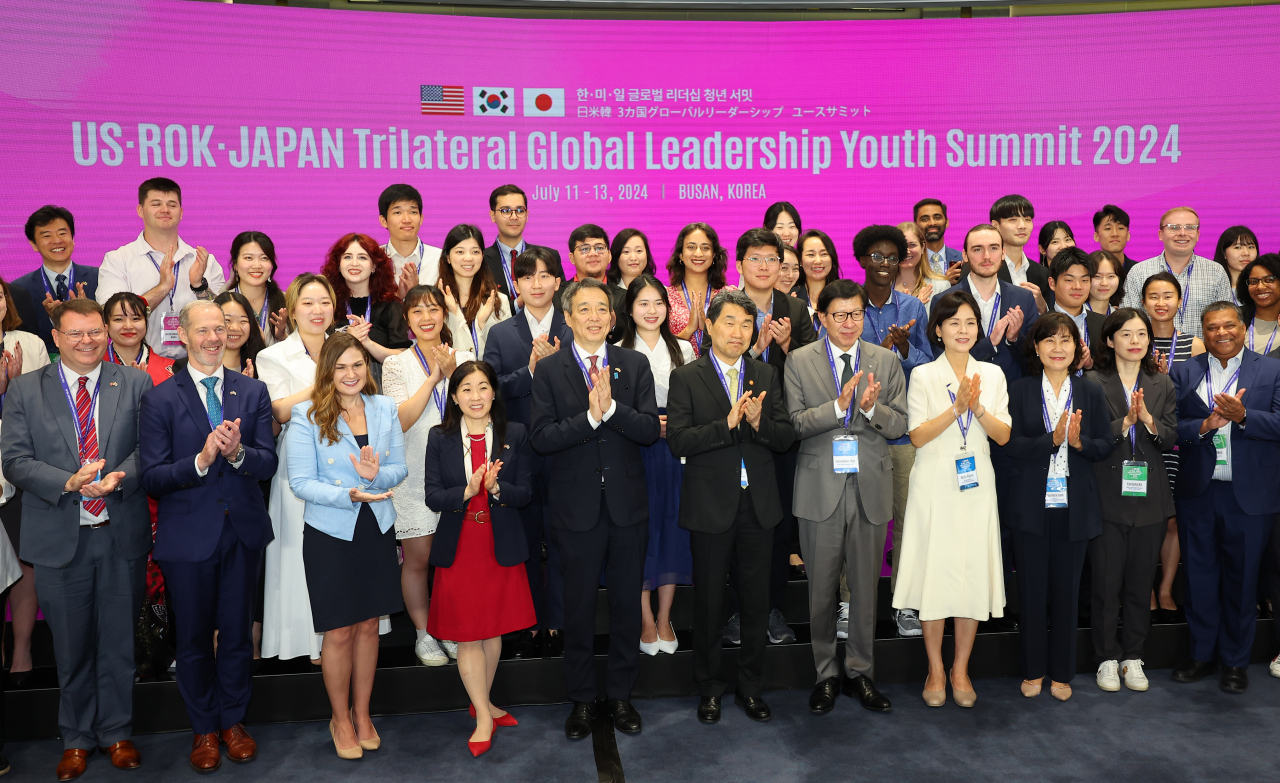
1104,359
840,289
776,209
730,296
46,215
398,192
1161,277
572,290
1267,261
527,262
506,190
758,237
1110,211
945,308
870,235
584,232
1047,326
1068,257
1219,306
1046,236
79,306
925,202
159,185
1012,205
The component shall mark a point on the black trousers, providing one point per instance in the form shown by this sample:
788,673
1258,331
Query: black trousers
619,552
750,546
780,558
548,597
1048,594
1124,560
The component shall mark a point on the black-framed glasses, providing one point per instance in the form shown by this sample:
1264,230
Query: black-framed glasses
509,211
843,315
1254,282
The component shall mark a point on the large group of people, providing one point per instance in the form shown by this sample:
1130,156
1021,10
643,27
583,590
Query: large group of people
281,467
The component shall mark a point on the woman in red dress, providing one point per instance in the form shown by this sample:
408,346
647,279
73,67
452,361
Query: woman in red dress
478,476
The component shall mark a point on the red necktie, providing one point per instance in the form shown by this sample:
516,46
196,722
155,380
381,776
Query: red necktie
591,384
88,441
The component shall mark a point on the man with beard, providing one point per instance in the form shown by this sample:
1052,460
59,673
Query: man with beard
930,215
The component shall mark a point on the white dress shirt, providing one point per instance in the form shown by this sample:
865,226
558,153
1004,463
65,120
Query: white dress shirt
1056,404
73,383
52,277
660,364
425,257
199,377
1018,275
1220,376
600,354
542,327
852,353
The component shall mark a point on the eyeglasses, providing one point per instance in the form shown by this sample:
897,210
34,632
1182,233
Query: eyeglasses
1254,282
509,211
841,317
765,261
876,258
589,249
76,335
1178,228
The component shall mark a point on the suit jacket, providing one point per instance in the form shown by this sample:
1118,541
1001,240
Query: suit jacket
698,431
31,284
40,453
1030,446
811,392
1255,447
193,508
1009,358
446,481
507,349
1161,400
493,260
583,461
1036,273
802,332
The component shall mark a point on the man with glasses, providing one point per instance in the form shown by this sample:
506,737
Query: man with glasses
70,442
843,491
1203,282
896,322
589,252
509,211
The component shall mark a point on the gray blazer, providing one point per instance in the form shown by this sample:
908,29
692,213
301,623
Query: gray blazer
811,389
1161,399
39,451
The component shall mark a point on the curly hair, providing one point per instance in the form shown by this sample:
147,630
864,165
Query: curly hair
325,408
382,283
719,257
870,235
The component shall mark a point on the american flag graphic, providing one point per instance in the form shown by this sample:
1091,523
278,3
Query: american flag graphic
438,99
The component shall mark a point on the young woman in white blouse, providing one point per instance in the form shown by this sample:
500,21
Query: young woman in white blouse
471,294
668,561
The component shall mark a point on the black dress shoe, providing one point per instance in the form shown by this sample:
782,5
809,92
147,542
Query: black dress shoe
864,690
709,709
20,679
1235,679
526,645
625,717
1192,670
754,706
553,643
823,698
578,725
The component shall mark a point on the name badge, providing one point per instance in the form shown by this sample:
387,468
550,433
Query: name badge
1133,479
844,454
967,471
169,330
1220,443
1055,492
744,473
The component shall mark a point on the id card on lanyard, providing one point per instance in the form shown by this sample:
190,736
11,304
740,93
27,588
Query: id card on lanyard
742,365
169,319
75,416
1133,472
966,462
1055,489
844,448
1219,439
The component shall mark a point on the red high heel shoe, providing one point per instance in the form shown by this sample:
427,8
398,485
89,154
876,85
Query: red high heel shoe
507,720
478,749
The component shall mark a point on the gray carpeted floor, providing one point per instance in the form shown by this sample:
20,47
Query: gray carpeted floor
1171,733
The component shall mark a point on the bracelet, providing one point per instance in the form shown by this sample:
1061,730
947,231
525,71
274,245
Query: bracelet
984,412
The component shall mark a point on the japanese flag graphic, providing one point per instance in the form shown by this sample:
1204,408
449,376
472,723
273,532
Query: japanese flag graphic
492,101
544,102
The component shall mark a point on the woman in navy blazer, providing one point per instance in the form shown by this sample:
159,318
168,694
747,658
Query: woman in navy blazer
1054,496
478,476
345,453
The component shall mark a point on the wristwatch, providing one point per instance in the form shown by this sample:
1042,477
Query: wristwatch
204,286
239,454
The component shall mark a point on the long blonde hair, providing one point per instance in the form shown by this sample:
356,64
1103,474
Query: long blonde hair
924,272
325,408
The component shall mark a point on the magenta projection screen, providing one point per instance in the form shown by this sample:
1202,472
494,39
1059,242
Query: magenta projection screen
291,121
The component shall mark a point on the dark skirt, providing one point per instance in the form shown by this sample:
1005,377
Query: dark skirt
352,581
668,560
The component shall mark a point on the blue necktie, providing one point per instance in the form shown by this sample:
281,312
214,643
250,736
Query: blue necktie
212,402
61,293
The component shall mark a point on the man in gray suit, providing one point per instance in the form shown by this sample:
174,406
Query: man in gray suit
70,442
844,484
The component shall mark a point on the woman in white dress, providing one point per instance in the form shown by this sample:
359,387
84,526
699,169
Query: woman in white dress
418,381
950,564
471,294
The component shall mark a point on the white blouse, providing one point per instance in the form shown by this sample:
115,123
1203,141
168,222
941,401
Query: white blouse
660,364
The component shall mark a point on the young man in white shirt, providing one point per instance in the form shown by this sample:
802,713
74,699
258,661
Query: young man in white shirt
160,267
1014,217
400,213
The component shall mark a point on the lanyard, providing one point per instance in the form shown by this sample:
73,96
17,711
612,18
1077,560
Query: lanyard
764,357
368,308
688,303
1044,406
1186,289
177,267
75,415
740,367
1173,346
604,365
995,315
441,389
1252,332
71,282
857,362
1133,431
508,264
144,355
893,300
266,309
963,425
1108,312
1208,384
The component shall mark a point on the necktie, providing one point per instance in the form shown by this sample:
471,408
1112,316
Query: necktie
590,383
847,374
936,260
61,293
732,375
88,442
212,402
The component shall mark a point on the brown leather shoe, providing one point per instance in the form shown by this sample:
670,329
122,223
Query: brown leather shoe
205,756
73,764
240,746
123,755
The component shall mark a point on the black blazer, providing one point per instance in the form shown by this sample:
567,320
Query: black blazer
507,349
802,331
583,461
493,260
446,482
698,430
1161,400
1030,446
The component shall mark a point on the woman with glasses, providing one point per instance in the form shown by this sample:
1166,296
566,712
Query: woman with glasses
1260,299
1237,248
696,271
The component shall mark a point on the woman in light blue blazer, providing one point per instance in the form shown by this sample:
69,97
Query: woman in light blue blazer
345,456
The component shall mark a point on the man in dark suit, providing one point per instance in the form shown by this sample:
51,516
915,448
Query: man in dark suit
509,211
726,417
930,216
1013,216
514,347
593,408
209,442
70,442
52,233
1227,492
1070,277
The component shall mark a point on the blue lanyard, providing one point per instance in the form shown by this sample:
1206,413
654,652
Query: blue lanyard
893,300
688,303
1133,431
368,308
857,362
1208,384
1044,406
71,282
441,390
1173,346
75,416
741,365
995,315
764,357
177,267
963,425
1270,339
1186,289
508,264
604,365
1108,312
144,355
266,309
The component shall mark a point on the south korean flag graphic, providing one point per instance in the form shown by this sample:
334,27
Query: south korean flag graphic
492,101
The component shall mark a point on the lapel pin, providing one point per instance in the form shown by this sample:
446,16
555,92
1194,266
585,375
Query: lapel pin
233,394
113,383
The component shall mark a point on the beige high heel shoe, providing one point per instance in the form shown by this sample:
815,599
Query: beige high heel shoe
1060,691
935,698
344,753
962,698
1031,689
372,744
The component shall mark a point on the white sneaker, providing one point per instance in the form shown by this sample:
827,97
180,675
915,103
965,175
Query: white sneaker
1134,678
429,652
1275,666
1109,676
450,648
842,621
